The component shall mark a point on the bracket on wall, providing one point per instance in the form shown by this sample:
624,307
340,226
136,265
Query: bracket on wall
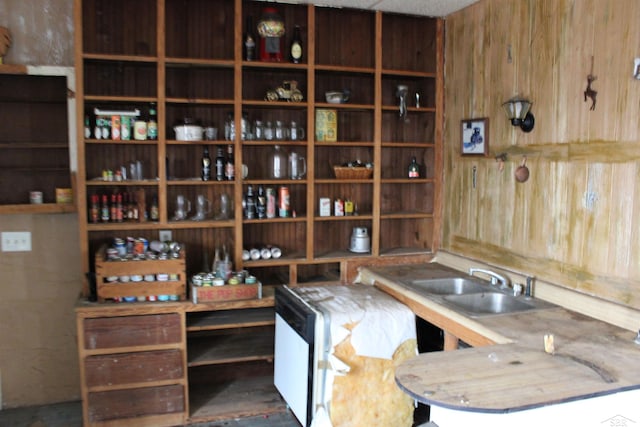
589,92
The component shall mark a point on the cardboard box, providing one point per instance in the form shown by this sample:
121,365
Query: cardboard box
326,125
204,294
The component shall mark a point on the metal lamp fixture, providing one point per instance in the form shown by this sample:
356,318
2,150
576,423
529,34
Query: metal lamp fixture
518,112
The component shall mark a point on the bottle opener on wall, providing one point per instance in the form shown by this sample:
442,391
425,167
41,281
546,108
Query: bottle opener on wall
589,92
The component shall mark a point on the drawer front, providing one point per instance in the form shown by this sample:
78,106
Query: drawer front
137,402
132,368
132,331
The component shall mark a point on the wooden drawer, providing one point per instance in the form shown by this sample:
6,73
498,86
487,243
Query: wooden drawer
137,402
132,368
132,331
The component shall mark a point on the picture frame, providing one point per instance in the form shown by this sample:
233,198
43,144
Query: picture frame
474,137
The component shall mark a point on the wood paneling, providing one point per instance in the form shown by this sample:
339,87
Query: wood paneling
574,222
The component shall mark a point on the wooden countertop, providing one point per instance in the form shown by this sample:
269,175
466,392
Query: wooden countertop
511,371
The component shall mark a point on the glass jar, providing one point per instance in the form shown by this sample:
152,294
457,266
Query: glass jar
268,131
277,166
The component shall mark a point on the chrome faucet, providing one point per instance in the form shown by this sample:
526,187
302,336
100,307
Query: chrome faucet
495,277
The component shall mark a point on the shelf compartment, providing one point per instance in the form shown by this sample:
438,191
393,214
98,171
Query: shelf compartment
289,236
120,78
292,15
360,193
100,157
243,396
406,235
197,82
107,30
424,86
225,319
199,29
337,154
257,81
229,346
354,125
334,26
418,127
396,160
332,238
409,43
256,157
206,114
360,85
311,274
410,197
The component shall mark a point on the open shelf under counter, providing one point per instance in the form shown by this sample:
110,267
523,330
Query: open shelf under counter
222,347
225,319
244,397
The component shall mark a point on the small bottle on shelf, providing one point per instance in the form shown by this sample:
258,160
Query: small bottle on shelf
152,124
229,167
206,165
261,203
220,164
94,210
295,50
154,212
104,209
250,205
249,41
414,169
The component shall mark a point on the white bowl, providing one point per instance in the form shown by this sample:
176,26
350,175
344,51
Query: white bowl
188,132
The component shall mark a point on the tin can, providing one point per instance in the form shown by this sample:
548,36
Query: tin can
338,207
348,207
284,202
125,128
271,202
325,206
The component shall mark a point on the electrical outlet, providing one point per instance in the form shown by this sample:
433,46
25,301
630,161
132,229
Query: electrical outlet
16,241
165,235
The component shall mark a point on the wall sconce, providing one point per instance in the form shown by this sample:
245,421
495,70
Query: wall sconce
518,112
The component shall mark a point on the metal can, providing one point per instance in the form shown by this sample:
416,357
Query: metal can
338,207
284,205
271,202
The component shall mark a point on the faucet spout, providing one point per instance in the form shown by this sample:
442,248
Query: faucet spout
495,277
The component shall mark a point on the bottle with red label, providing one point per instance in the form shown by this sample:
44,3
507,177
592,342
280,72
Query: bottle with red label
414,169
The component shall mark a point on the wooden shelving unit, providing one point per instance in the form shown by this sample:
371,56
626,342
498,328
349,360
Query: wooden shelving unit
188,60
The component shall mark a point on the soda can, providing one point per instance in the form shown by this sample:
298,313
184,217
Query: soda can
338,207
284,206
271,202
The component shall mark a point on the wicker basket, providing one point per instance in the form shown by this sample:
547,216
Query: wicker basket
345,172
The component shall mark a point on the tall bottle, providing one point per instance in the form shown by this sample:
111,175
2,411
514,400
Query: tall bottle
229,168
250,205
295,49
152,124
206,165
249,42
261,203
220,164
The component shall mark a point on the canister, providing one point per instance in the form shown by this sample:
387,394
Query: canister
325,206
284,206
326,125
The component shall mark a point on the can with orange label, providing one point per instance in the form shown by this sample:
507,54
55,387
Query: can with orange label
284,202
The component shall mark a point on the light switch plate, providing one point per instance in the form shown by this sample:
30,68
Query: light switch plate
16,241
164,235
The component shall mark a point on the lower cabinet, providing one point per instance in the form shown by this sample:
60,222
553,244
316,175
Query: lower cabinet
165,364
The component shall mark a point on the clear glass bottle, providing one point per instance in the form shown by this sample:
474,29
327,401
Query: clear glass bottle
277,166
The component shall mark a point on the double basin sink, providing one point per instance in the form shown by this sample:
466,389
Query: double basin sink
474,297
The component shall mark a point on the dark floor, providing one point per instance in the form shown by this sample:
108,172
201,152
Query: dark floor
69,414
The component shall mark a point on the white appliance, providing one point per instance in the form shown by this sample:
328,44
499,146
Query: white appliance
299,348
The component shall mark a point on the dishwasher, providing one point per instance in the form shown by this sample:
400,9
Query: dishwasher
299,348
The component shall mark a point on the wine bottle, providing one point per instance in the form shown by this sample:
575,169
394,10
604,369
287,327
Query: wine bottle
295,50
206,165
220,164
229,168
249,42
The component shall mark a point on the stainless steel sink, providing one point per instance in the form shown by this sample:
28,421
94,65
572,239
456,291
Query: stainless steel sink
449,286
489,303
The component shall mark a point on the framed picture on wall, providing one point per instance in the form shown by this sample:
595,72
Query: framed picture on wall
475,137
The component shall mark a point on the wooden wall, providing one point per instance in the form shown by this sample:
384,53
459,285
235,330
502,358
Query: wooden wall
576,221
